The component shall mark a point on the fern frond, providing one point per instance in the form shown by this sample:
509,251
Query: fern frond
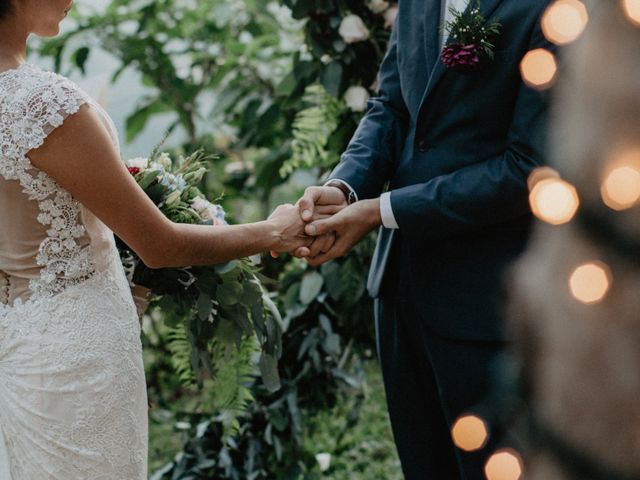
312,129
180,349
229,393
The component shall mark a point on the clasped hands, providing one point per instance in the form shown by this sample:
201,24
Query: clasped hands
329,227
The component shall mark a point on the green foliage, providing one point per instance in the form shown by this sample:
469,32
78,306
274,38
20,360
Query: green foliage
180,349
312,130
470,27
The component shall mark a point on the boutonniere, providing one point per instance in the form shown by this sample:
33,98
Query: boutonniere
470,39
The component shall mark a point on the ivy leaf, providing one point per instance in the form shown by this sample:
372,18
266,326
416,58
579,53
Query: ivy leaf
138,120
310,287
80,57
229,293
148,178
331,78
269,371
204,306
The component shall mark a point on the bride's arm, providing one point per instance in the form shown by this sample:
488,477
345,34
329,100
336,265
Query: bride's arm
80,157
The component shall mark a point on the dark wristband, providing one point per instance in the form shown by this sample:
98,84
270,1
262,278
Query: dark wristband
348,193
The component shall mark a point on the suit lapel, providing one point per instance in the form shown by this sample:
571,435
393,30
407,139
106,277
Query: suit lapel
487,7
432,31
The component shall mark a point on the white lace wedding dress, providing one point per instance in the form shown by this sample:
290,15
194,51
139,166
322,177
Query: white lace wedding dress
73,401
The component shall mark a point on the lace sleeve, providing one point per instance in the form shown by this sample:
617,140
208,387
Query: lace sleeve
33,105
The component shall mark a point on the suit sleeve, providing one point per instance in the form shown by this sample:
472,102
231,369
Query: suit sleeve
486,193
368,162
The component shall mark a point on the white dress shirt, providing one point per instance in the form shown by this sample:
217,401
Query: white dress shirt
386,211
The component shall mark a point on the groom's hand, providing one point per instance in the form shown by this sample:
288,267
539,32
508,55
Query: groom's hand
319,203
350,225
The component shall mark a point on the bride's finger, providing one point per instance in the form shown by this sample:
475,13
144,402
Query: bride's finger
302,252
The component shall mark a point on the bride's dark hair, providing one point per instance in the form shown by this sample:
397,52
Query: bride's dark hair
5,8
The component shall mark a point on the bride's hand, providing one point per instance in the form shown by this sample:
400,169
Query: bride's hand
289,229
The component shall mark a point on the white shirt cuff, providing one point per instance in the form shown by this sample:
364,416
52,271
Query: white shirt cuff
355,195
386,212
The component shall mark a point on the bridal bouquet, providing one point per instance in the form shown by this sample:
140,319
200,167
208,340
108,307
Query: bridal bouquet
221,304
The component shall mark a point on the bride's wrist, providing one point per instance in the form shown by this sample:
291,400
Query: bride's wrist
272,235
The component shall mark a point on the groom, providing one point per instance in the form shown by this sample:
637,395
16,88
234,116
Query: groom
455,149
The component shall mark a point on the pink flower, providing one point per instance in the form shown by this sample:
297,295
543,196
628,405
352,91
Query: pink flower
464,58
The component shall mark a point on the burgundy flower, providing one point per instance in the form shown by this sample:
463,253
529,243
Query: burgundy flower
464,58
133,170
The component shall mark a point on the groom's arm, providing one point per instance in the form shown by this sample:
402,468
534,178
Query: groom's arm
368,162
486,193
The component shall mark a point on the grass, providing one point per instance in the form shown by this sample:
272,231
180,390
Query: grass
363,451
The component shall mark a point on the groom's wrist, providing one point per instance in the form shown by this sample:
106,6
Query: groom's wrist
349,193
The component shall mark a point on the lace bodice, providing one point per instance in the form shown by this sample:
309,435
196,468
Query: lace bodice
48,240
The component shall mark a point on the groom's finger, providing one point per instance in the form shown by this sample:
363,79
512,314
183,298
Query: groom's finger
327,209
321,227
322,244
308,202
322,258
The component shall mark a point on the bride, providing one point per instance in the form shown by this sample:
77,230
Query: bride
73,402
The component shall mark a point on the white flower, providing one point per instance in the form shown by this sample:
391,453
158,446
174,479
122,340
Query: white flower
390,16
238,167
200,204
357,98
324,461
139,162
377,6
352,29
325,59
164,159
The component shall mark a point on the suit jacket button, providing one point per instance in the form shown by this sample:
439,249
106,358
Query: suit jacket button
423,146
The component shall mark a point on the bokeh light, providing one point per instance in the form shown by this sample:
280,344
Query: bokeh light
469,433
589,283
539,174
554,201
621,185
564,21
539,68
505,464
632,11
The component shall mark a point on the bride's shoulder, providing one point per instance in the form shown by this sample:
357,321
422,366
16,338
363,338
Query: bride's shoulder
34,102
29,83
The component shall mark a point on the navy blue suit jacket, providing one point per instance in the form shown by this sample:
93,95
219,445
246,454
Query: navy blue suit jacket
455,150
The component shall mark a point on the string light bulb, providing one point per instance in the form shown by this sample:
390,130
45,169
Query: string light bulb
632,11
470,433
564,21
539,69
620,188
505,464
554,200
590,282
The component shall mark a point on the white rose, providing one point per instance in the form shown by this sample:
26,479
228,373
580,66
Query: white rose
357,98
390,16
139,162
378,6
352,29
324,461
